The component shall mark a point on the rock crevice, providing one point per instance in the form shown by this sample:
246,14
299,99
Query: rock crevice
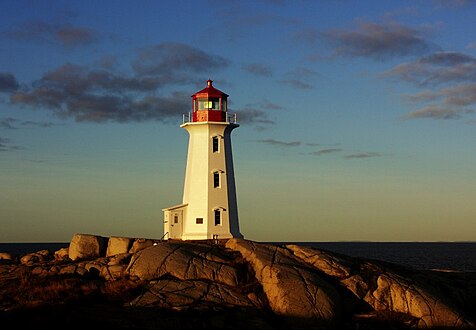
284,287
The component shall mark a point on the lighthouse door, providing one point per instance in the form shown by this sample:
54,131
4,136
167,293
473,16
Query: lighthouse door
176,224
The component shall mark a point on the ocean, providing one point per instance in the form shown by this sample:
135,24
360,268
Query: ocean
23,248
439,255
457,256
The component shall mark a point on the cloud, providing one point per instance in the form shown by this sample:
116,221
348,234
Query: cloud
280,143
12,123
108,62
454,3
437,112
363,155
253,116
8,82
272,106
8,123
437,68
326,151
299,78
298,84
434,71
66,35
378,41
460,95
73,91
173,58
104,95
265,104
258,70
307,35
5,145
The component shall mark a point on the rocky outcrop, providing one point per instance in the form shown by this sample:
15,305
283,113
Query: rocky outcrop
390,288
83,246
6,256
292,288
267,285
118,245
62,254
184,261
141,244
35,257
179,294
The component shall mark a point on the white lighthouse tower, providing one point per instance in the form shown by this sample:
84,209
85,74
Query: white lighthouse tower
209,208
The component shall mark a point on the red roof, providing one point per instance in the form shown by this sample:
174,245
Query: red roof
210,91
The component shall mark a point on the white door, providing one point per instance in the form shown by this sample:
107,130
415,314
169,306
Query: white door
176,219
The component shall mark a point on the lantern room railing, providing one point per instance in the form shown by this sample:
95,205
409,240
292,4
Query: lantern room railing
230,118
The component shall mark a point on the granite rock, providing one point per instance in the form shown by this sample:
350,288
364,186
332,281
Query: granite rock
84,246
118,245
390,288
183,260
292,288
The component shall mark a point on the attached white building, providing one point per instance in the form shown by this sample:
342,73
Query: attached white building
209,208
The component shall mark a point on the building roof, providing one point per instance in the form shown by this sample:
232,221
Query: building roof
210,91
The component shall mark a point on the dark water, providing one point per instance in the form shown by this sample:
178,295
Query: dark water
452,256
23,248
444,255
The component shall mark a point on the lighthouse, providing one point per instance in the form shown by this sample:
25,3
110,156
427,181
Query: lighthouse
209,208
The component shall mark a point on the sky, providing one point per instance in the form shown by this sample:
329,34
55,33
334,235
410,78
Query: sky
357,118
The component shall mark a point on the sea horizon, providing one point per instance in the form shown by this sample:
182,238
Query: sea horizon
441,255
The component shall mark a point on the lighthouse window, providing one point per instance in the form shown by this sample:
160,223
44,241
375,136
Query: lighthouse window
209,104
199,221
217,217
216,179
215,144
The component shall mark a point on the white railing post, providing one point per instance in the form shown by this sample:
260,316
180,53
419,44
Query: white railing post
189,120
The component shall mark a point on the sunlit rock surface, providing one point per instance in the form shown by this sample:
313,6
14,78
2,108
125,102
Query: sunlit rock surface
391,288
83,246
234,284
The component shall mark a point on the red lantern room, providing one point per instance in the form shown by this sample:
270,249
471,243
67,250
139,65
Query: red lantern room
209,104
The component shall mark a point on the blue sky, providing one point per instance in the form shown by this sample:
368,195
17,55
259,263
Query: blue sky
357,117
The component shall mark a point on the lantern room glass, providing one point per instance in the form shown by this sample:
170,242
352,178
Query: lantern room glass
208,104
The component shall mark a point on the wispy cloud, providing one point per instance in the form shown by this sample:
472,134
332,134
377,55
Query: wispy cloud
173,58
254,117
326,151
299,78
454,3
102,95
460,95
63,34
434,72
258,69
378,41
280,143
307,35
298,84
8,82
437,112
437,68
12,123
5,145
271,106
363,155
